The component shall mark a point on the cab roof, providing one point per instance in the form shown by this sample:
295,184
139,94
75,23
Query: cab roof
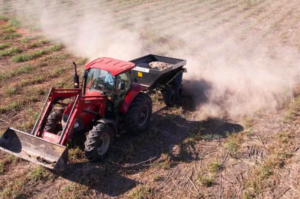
114,66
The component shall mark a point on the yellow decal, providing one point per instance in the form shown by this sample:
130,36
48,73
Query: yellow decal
140,74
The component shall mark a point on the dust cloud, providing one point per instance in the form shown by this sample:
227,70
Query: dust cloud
229,76
82,26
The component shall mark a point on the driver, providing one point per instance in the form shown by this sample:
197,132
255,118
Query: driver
109,80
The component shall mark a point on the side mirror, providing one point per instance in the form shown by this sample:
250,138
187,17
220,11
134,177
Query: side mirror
121,86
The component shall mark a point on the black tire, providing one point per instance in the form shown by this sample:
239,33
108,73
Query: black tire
98,142
178,92
53,120
139,113
169,97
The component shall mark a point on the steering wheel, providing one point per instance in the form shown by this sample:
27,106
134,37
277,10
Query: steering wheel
98,83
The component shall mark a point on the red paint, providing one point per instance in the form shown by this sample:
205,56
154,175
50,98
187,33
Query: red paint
55,93
92,93
114,66
87,117
133,92
50,137
92,102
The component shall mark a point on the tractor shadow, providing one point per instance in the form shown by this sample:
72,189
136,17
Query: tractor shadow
169,138
102,178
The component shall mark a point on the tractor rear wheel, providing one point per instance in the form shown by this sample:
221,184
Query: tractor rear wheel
98,142
139,113
53,121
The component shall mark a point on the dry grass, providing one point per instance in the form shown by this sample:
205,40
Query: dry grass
56,47
81,61
248,122
9,30
10,107
6,162
206,181
19,71
73,191
34,45
165,162
75,154
17,188
259,181
5,45
39,174
1,168
10,52
294,109
232,144
14,23
10,36
29,56
23,89
35,80
141,192
10,91
13,188
215,167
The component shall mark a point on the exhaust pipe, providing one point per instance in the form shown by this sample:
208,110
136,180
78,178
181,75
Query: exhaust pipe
76,77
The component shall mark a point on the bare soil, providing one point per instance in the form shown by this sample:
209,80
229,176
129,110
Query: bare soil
179,156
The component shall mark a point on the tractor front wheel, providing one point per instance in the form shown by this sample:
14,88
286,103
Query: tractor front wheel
53,120
98,142
139,113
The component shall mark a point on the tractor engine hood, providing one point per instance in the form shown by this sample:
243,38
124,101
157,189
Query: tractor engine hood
94,93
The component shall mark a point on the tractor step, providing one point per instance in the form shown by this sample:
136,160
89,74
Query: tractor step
34,149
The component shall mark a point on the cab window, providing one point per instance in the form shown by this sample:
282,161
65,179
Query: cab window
125,78
100,80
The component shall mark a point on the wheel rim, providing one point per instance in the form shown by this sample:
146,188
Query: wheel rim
143,115
104,142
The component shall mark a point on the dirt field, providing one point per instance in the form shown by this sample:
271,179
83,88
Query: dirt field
182,155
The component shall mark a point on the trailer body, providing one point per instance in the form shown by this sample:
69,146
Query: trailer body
157,79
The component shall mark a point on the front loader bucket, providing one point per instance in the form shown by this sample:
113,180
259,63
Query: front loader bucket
34,149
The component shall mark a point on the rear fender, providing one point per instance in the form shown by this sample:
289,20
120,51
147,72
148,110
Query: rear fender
110,123
132,93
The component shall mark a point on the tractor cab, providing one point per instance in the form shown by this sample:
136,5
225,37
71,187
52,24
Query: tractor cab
109,77
103,82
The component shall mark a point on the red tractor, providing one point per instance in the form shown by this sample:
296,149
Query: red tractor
110,102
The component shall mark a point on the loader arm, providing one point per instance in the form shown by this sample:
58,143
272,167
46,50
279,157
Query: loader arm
45,148
53,97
